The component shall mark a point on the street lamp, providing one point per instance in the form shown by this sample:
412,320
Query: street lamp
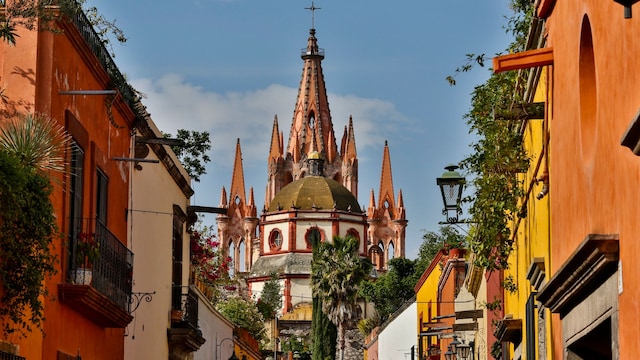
463,351
457,350
449,354
451,184
454,345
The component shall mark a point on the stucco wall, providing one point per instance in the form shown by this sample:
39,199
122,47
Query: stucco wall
397,338
594,183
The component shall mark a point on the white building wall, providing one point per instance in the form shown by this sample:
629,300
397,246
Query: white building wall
217,331
151,221
397,338
301,291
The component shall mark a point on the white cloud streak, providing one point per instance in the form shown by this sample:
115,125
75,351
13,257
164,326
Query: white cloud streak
176,104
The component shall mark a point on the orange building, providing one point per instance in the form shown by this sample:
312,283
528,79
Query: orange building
591,53
70,77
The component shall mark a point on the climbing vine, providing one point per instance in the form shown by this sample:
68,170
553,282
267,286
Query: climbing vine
498,155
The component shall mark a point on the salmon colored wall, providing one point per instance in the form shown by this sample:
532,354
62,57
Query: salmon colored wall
17,72
447,297
72,70
32,72
594,184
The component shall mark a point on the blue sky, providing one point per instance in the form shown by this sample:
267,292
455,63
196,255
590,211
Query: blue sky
229,66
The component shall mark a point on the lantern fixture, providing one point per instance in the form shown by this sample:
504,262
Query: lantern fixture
449,354
454,344
463,351
451,184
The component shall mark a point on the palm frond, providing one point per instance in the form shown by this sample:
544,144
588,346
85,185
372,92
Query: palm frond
37,141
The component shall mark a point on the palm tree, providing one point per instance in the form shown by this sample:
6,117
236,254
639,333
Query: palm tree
336,273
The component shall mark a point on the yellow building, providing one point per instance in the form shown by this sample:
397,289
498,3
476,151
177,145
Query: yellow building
427,305
525,330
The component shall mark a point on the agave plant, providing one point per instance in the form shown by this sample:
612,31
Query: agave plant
36,141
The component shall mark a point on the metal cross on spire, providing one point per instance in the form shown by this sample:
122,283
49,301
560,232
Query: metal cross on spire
313,10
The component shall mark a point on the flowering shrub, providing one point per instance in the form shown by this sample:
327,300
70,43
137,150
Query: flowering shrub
87,249
208,262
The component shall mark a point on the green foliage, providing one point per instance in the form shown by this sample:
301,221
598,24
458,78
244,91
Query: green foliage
37,141
367,325
8,32
271,300
87,249
193,154
510,284
323,332
297,346
26,13
472,59
497,157
447,237
243,313
27,229
337,271
393,288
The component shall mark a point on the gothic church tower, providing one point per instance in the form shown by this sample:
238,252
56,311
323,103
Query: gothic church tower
311,130
303,199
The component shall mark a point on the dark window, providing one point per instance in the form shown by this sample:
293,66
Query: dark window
313,237
531,326
101,198
76,190
178,224
595,345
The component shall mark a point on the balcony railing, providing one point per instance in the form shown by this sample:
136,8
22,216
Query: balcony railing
110,262
7,356
184,307
100,51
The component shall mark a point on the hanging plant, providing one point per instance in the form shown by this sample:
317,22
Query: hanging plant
497,157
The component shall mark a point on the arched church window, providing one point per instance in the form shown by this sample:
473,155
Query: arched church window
237,200
313,236
354,234
288,178
390,251
242,251
275,240
312,121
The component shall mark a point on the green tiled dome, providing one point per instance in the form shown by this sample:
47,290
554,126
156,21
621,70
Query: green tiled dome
315,192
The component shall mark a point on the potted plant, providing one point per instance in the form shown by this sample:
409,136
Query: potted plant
454,242
87,252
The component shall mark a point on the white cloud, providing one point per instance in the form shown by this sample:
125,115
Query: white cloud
176,104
